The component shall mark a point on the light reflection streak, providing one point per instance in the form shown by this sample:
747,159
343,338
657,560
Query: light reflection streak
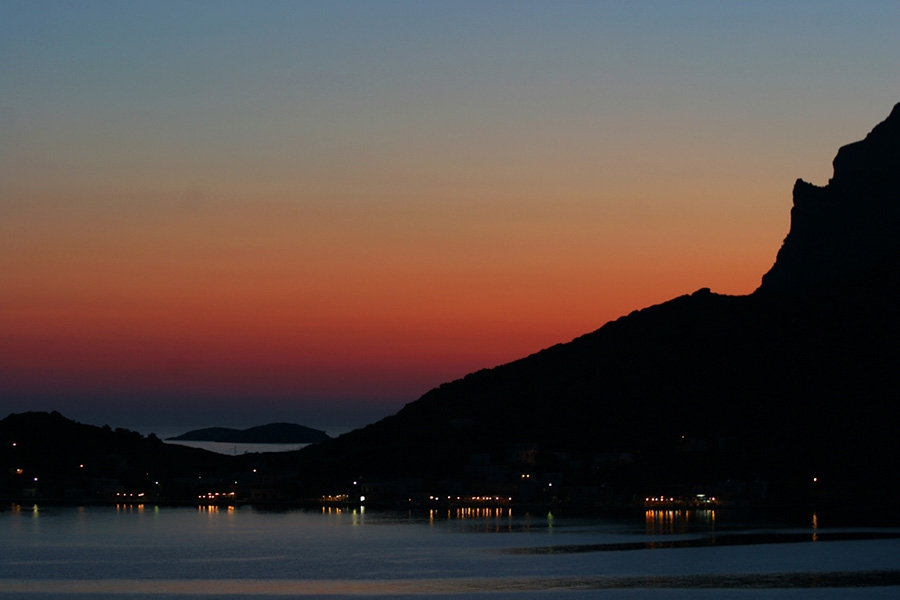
815,527
671,521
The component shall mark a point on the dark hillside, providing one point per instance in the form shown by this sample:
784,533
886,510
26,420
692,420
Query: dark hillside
787,395
46,455
798,380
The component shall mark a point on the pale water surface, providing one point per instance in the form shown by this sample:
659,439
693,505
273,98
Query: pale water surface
237,449
145,552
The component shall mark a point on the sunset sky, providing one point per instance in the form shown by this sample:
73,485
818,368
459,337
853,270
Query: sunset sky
228,213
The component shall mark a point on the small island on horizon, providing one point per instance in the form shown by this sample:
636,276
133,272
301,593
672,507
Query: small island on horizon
272,433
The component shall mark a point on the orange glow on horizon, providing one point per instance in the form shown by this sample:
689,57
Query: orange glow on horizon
239,301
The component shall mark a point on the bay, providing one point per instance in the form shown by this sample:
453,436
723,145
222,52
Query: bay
234,449
146,551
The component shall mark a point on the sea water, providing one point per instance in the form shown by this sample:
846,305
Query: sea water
167,432
235,449
147,551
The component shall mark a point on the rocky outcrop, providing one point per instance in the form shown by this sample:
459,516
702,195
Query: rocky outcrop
849,227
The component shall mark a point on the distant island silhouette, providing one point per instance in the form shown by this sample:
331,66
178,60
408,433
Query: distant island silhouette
273,433
784,396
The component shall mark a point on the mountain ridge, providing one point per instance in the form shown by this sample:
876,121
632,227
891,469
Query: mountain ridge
783,396
777,385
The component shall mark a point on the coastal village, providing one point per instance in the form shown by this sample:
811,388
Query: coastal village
122,467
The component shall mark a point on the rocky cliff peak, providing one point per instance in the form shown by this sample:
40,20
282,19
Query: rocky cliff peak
850,226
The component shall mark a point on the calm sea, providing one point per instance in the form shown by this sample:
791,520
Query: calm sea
166,432
144,552
236,449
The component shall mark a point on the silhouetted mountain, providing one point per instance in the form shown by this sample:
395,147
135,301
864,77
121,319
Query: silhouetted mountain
849,226
273,433
789,394
763,392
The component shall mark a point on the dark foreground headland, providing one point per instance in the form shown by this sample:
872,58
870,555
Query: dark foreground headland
788,395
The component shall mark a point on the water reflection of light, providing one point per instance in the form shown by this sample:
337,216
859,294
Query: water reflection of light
658,521
477,500
477,512
815,526
476,518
